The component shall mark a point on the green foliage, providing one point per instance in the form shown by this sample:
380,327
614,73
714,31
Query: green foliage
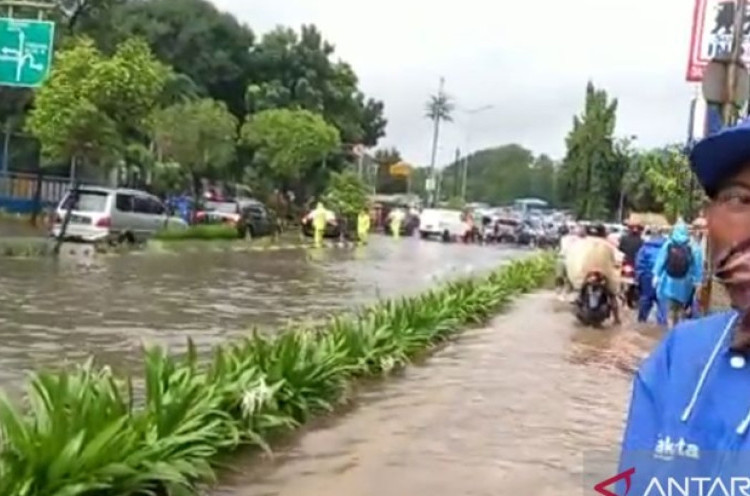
200,135
84,433
296,71
212,55
90,101
667,173
591,174
346,193
289,142
209,47
456,203
501,175
440,107
23,247
201,232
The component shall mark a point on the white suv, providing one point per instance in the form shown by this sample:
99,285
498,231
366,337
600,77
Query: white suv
112,214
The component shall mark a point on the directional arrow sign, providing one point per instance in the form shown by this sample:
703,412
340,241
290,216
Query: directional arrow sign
25,51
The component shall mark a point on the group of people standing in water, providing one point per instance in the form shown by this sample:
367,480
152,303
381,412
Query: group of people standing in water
322,217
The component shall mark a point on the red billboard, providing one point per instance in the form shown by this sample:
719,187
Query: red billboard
713,24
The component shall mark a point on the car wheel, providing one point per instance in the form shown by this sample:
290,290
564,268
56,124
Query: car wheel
126,238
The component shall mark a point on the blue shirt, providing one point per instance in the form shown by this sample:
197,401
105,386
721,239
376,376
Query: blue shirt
690,409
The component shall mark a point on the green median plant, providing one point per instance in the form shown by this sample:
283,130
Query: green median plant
199,232
24,248
87,433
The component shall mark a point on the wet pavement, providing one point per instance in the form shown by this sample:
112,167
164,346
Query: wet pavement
510,409
56,311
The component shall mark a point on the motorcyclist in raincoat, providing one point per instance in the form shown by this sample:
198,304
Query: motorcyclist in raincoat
689,417
363,226
677,293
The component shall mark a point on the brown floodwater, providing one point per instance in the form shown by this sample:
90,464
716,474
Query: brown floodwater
509,409
56,311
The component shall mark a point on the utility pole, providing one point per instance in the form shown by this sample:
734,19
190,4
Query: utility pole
431,195
729,99
729,110
464,176
456,170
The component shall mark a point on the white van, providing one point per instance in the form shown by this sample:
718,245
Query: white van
112,215
445,223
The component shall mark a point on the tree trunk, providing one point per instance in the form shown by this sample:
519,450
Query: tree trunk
37,195
433,158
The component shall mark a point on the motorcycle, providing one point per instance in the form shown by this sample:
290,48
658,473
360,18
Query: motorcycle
629,286
594,304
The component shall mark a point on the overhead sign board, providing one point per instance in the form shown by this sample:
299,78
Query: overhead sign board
711,36
25,51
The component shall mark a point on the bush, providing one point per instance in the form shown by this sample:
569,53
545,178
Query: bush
83,433
205,232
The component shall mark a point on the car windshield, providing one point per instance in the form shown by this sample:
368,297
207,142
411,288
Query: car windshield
86,201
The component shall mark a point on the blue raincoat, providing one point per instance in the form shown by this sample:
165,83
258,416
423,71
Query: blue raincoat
644,273
690,411
680,290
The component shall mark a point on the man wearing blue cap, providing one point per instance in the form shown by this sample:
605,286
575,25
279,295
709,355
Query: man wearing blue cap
690,410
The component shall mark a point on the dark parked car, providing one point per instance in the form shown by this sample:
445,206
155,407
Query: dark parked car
251,217
256,220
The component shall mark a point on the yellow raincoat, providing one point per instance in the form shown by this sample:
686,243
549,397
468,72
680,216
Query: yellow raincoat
397,217
363,226
319,220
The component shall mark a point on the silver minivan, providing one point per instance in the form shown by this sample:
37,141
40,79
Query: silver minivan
113,215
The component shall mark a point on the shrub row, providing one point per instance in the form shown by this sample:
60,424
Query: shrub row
207,232
25,247
85,432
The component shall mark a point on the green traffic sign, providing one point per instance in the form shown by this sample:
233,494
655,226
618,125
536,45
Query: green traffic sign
25,51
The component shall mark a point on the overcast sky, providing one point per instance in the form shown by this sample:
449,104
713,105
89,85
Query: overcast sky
529,59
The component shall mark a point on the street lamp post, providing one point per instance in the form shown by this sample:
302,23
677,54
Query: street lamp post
471,113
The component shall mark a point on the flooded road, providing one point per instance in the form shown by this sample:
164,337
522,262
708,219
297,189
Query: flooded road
52,311
510,409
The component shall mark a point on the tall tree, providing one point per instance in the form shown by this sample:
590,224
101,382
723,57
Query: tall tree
346,194
197,40
439,108
591,175
542,182
91,102
289,143
665,176
199,135
496,175
296,71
